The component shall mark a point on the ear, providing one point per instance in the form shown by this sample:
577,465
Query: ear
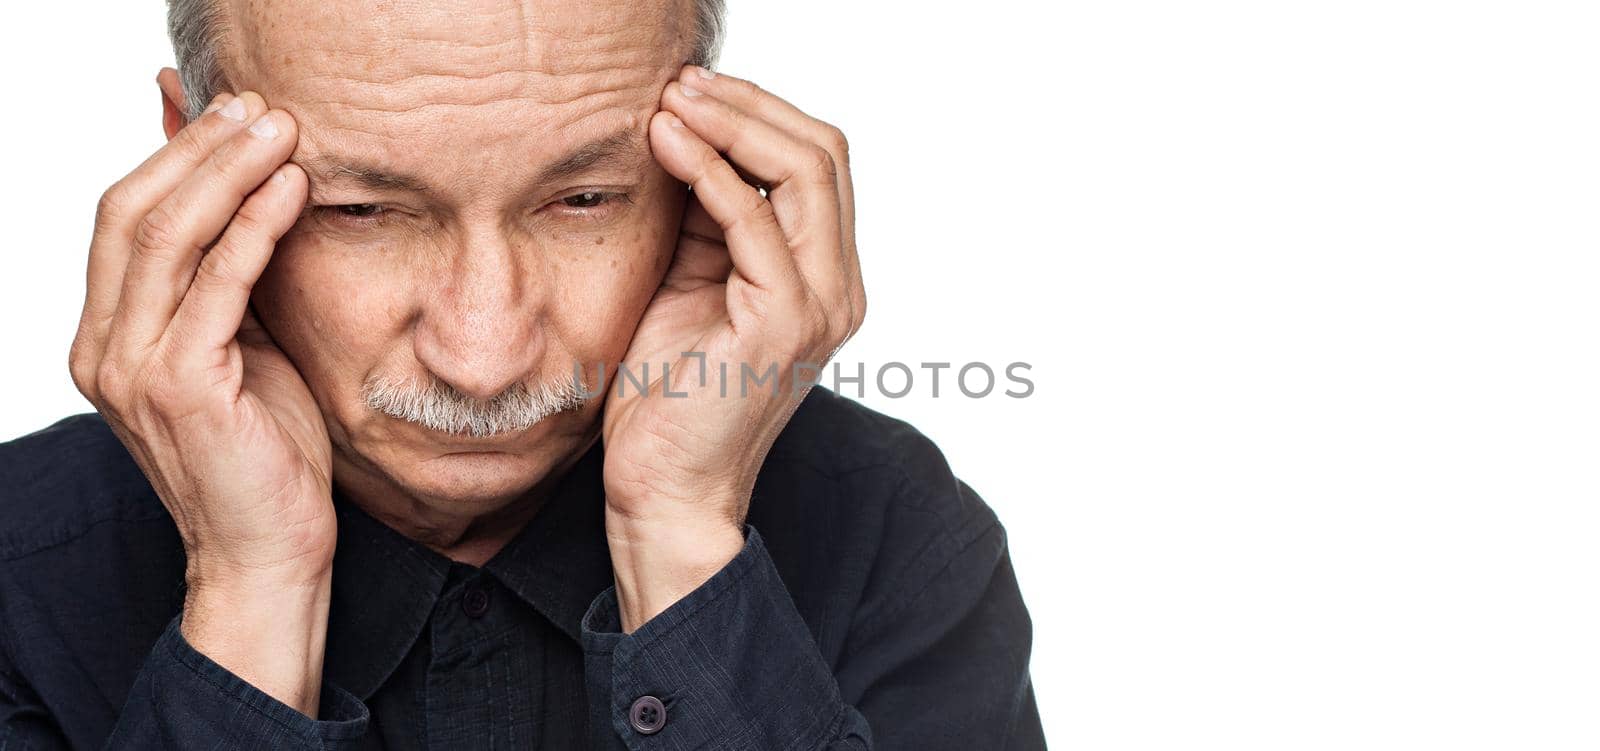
173,105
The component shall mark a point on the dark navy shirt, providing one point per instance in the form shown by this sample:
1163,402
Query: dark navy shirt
872,606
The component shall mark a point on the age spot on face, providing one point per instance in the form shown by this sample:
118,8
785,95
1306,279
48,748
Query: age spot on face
600,240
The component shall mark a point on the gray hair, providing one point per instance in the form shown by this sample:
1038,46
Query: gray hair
439,406
196,26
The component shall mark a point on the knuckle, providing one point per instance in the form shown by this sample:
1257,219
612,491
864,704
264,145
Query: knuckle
113,205
150,387
250,220
738,121
193,144
82,370
111,382
820,163
835,142
216,272
157,232
228,160
750,89
707,166
164,392
756,215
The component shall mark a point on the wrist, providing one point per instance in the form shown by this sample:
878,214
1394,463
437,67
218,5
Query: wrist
269,631
656,562
203,572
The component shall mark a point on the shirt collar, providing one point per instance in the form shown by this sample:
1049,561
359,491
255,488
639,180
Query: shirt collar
561,561
385,585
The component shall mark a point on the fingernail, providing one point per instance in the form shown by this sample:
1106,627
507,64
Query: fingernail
280,174
705,73
690,90
234,111
264,128
216,104
673,120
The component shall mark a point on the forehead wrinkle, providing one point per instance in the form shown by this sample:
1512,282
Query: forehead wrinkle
394,56
382,103
477,86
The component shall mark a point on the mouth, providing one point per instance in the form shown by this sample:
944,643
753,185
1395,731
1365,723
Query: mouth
464,440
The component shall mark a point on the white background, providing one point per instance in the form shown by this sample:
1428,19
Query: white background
1308,290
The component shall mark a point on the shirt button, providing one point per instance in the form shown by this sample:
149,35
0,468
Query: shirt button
647,715
475,602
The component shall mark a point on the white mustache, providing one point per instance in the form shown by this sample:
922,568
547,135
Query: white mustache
439,406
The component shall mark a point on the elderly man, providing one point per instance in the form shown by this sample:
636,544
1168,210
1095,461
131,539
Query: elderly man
358,478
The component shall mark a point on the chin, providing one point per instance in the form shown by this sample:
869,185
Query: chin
481,479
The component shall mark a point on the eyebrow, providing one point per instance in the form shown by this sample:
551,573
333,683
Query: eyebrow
620,145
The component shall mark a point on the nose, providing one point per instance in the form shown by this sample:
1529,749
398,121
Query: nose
479,329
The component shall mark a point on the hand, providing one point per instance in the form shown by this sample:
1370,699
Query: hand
756,281
215,415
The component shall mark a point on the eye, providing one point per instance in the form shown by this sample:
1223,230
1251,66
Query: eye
358,209
352,215
587,199
590,206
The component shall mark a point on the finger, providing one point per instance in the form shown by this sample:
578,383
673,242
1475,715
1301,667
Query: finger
699,224
750,228
762,103
799,176
213,309
775,109
169,241
131,198
702,253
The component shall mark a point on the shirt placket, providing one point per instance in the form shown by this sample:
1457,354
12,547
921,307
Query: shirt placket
479,690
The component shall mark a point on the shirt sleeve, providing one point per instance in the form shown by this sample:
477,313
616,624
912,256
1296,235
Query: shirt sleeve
732,665
184,700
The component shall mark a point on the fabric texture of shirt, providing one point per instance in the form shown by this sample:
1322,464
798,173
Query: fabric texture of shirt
873,605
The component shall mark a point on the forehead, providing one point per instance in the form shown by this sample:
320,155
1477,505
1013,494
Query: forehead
447,86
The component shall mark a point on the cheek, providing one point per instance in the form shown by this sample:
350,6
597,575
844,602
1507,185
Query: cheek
607,279
329,316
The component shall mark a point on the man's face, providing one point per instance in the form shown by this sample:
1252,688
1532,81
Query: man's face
449,233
